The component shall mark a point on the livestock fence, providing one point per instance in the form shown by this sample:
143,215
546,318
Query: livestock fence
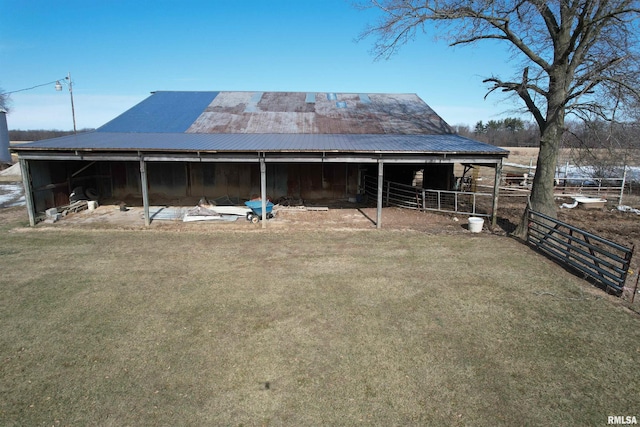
410,197
573,181
600,259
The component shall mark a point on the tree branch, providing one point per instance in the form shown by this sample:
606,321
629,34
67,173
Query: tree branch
522,90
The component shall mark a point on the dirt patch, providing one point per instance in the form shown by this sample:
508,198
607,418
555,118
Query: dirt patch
609,223
361,218
620,227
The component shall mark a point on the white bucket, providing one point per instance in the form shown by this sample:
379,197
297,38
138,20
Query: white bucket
475,224
92,205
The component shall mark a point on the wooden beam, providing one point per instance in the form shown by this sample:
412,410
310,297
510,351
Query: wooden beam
380,185
73,175
28,191
145,191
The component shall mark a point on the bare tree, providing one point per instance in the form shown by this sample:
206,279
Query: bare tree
605,146
5,99
574,54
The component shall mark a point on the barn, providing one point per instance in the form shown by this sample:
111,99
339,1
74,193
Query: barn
176,147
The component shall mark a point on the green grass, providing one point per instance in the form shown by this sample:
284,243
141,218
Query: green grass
305,328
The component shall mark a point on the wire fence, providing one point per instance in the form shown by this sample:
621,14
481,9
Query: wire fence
410,197
573,181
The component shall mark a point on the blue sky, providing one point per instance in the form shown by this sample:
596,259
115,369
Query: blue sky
119,51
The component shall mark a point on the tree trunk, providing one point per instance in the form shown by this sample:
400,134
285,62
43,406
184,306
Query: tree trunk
551,131
542,199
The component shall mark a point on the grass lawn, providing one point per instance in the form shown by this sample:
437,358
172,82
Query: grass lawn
116,328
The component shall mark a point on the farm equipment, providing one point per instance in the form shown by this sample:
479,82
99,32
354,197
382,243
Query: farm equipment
256,210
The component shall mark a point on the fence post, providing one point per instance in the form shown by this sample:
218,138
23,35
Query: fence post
624,178
424,200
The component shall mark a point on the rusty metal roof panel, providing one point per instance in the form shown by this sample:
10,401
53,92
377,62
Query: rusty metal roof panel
273,122
280,112
172,142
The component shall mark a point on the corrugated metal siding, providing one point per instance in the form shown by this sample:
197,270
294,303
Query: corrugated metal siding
162,112
113,141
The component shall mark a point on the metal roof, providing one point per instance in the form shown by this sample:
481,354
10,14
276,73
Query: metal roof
286,122
162,112
280,112
186,142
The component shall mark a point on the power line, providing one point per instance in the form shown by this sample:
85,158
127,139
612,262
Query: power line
32,87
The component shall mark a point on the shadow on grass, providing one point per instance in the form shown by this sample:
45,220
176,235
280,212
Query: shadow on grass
506,225
366,216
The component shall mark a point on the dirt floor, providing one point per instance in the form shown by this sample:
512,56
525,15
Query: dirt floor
286,218
609,223
620,227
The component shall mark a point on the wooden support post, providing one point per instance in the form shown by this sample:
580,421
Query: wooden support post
145,191
380,185
28,191
263,191
496,191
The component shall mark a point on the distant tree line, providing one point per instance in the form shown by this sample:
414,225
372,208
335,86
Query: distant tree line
508,132
603,134
582,134
38,134
606,145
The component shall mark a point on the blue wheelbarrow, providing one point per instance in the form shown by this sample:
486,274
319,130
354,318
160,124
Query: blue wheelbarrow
256,210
